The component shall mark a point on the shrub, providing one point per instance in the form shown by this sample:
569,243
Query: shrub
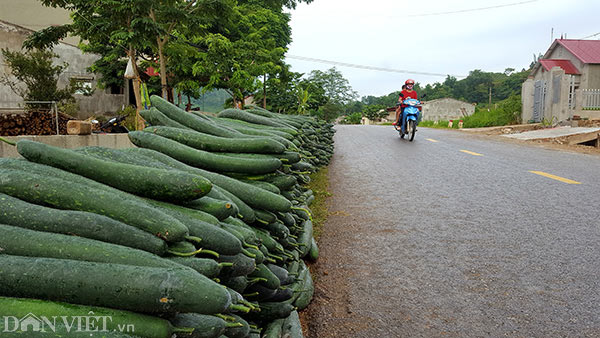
129,122
507,112
353,118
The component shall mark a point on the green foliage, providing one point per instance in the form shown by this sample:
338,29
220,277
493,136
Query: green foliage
204,45
252,46
354,118
69,108
284,95
329,111
475,88
35,70
129,122
442,124
549,123
319,184
275,4
374,112
387,101
209,101
504,113
110,29
507,112
336,88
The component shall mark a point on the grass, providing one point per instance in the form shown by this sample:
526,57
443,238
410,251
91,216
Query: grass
319,184
440,125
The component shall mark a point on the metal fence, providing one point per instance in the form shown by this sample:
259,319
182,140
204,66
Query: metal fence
591,99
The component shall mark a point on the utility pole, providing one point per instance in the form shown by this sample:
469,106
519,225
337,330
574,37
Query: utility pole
490,97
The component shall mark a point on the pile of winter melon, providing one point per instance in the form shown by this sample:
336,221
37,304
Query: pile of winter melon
201,230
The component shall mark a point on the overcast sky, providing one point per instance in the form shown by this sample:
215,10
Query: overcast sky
432,36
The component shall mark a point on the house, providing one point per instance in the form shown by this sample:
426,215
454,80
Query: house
564,82
20,18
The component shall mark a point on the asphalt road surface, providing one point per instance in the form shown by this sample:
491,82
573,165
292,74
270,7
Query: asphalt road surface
455,235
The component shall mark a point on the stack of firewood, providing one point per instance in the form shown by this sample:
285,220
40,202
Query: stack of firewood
33,123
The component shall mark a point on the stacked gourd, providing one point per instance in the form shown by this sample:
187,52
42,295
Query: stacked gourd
201,231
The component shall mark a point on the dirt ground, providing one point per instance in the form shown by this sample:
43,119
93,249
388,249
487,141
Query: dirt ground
557,144
330,314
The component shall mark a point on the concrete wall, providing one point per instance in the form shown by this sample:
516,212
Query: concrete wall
33,15
100,103
593,76
446,109
115,141
527,92
557,99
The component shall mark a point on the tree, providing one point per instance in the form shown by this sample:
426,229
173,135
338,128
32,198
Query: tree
281,92
252,46
329,111
37,72
276,5
375,112
112,29
337,88
134,29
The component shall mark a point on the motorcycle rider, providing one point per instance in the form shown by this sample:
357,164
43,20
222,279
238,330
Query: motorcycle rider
406,93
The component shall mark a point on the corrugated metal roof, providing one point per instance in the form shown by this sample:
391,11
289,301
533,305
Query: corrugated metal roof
588,51
566,65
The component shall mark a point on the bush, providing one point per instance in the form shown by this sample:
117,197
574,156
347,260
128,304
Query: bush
507,112
353,118
69,108
129,122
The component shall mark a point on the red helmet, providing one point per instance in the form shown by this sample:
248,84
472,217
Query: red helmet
409,82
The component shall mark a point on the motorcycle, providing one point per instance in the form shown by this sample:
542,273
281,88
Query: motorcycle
113,125
412,113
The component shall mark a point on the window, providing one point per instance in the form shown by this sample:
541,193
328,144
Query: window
115,90
84,85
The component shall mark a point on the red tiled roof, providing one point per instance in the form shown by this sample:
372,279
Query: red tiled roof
588,51
566,65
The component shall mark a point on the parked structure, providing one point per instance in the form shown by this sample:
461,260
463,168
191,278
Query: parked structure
20,18
564,82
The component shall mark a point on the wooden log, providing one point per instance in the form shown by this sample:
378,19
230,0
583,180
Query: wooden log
77,127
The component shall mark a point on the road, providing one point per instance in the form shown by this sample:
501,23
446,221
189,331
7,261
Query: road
457,235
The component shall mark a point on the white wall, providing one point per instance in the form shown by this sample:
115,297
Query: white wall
446,109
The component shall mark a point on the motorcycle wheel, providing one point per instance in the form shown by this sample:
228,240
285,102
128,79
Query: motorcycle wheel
411,129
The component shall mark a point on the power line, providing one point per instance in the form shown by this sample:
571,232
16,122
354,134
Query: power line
352,65
471,9
591,36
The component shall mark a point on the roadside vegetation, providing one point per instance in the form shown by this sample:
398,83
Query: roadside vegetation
319,184
504,113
